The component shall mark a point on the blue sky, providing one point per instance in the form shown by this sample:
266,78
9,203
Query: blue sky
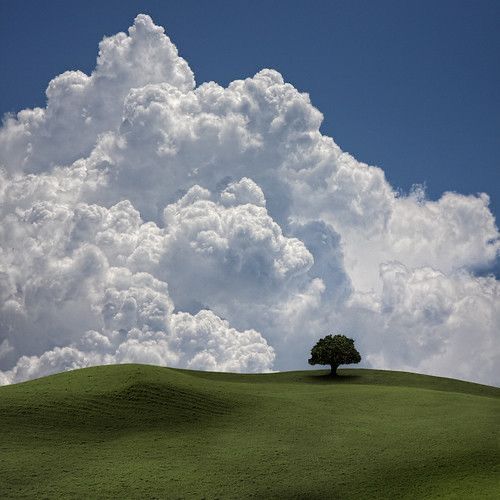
413,87
218,227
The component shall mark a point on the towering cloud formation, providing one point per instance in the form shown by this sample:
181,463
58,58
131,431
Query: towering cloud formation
144,219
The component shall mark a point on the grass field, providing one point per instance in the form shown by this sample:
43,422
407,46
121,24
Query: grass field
149,432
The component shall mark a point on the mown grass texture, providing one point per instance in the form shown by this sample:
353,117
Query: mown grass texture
135,431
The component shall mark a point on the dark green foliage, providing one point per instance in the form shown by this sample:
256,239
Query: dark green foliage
334,350
133,431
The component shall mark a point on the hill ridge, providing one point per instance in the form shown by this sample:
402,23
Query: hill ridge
141,431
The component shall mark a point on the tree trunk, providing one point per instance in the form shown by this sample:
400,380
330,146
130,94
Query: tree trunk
333,373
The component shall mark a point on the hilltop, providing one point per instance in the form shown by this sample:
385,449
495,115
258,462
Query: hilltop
151,432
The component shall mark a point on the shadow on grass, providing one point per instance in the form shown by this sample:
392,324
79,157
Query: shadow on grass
326,378
137,407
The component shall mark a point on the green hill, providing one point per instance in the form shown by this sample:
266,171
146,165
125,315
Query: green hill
149,432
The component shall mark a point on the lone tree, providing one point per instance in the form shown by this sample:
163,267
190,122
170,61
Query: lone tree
334,350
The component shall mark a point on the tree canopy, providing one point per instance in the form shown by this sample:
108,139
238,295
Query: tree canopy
334,350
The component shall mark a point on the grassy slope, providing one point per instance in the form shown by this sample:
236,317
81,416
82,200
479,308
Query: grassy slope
142,431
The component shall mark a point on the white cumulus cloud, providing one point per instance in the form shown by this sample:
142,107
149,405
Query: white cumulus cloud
147,219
